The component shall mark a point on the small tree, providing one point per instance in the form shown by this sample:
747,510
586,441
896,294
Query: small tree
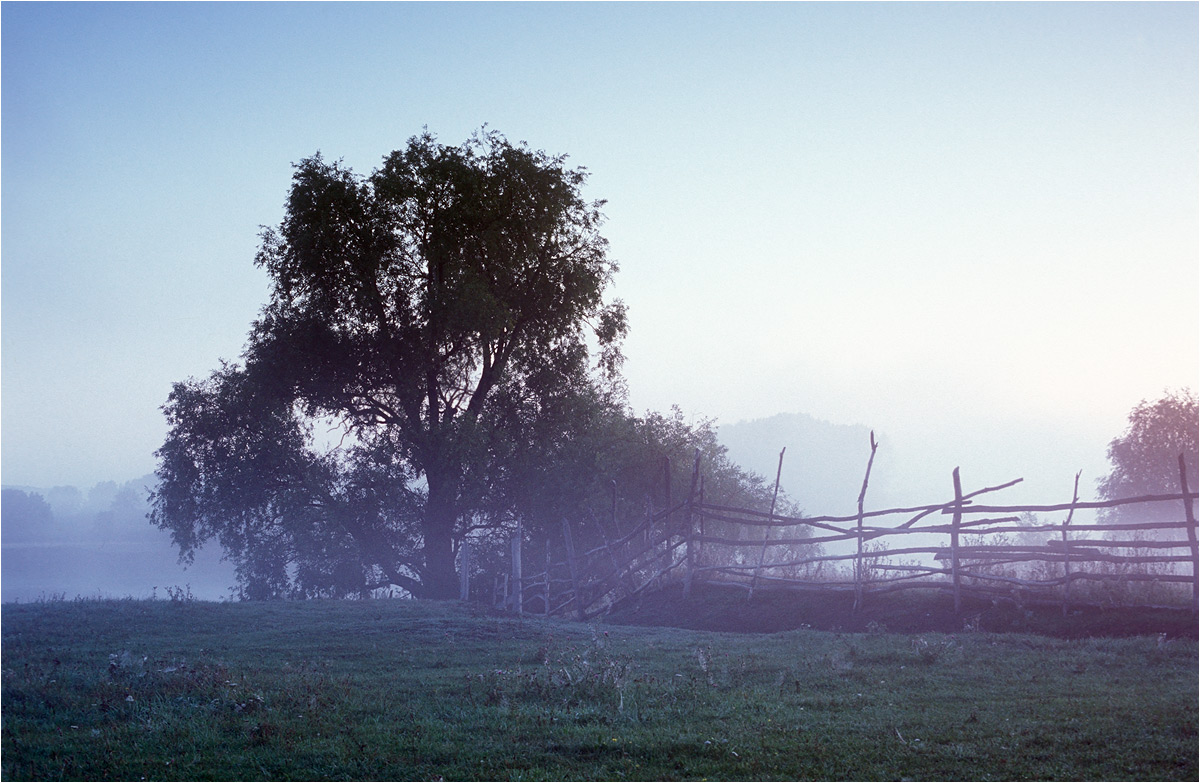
1145,458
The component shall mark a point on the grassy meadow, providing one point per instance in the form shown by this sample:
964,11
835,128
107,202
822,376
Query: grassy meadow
410,690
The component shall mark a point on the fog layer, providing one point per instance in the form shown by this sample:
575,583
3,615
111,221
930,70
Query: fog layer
63,542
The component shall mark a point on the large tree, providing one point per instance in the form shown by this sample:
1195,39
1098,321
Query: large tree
368,425
1145,458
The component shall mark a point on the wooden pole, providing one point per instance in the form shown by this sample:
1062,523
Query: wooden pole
649,521
862,495
698,528
546,587
700,525
1191,530
464,579
955,521
667,489
762,554
688,530
573,566
1067,548
667,530
518,582
625,578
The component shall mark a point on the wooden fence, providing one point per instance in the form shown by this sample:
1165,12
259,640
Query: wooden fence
973,550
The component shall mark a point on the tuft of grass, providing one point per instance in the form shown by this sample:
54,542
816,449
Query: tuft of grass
931,650
389,689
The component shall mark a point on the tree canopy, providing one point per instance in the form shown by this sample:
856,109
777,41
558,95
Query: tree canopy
426,323
1145,458
27,515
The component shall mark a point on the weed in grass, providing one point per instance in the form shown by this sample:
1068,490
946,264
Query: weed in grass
930,650
587,683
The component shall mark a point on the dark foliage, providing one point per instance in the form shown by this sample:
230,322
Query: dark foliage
1145,458
428,330
27,515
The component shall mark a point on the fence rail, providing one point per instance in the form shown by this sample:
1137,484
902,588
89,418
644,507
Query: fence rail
762,548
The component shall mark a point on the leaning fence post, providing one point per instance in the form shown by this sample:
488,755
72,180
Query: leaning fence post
762,554
955,521
1067,547
624,578
1191,530
667,531
646,536
573,566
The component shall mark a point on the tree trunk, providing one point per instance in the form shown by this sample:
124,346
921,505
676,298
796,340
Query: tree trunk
440,579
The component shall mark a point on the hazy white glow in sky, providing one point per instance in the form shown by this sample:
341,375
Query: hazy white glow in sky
947,221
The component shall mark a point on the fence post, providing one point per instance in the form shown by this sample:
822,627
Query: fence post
464,579
955,521
546,587
1067,547
688,566
624,578
573,566
689,523
762,554
1191,530
518,582
862,494
646,537
858,586
667,485
700,526
667,531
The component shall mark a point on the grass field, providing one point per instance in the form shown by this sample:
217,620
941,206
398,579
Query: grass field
405,690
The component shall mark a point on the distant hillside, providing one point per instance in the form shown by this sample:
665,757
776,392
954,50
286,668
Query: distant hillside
824,464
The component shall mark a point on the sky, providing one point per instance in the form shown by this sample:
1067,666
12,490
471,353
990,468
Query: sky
972,226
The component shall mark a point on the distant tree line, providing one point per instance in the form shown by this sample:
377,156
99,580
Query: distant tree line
107,511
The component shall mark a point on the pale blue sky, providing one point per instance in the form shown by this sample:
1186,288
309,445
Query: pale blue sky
959,224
